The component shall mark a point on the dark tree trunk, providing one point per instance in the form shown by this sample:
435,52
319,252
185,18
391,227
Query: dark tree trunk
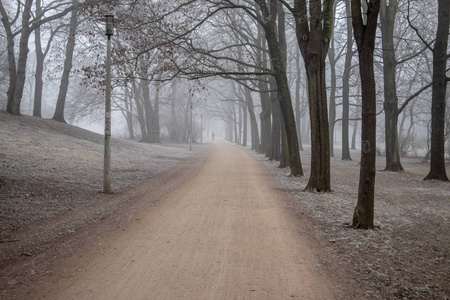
437,159
266,122
128,114
253,123
365,39
240,125
355,125
387,18
148,110
12,68
38,86
346,86
313,40
263,95
284,95
140,110
298,120
332,109
276,122
244,124
64,86
284,157
154,130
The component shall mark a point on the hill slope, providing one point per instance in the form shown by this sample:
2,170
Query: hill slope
47,168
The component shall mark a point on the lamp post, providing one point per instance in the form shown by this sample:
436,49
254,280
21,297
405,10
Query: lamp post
190,123
109,19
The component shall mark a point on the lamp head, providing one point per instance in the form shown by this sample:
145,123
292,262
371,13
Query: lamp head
109,20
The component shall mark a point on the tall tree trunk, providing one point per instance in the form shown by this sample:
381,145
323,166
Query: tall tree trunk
355,124
276,122
244,124
346,86
365,40
12,68
332,109
298,113
387,18
141,114
154,130
284,96
437,158
253,123
263,95
128,114
284,157
38,86
313,40
64,86
172,114
266,122
239,108
148,109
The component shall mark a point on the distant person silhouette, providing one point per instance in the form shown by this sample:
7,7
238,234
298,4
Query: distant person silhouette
213,136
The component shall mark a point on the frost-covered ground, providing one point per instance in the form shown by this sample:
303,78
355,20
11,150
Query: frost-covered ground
48,168
408,255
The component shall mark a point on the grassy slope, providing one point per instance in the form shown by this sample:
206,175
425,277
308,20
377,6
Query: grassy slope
47,167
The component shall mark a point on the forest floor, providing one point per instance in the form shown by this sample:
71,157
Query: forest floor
52,209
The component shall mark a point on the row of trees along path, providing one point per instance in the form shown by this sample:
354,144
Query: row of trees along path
156,53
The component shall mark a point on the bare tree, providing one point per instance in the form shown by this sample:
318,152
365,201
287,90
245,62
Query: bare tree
440,79
313,39
269,16
64,86
364,31
28,23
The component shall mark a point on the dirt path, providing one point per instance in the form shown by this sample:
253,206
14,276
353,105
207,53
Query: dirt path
223,234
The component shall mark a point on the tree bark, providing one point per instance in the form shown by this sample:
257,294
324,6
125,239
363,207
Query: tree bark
355,124
284,157
346,86
387,19
313,40
12,68
263,88
284,96
148,109
244,124
298,120
154,130
128,114
437,158
276,122
332,109
253,123
365,40
38,86
64,86
141,114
